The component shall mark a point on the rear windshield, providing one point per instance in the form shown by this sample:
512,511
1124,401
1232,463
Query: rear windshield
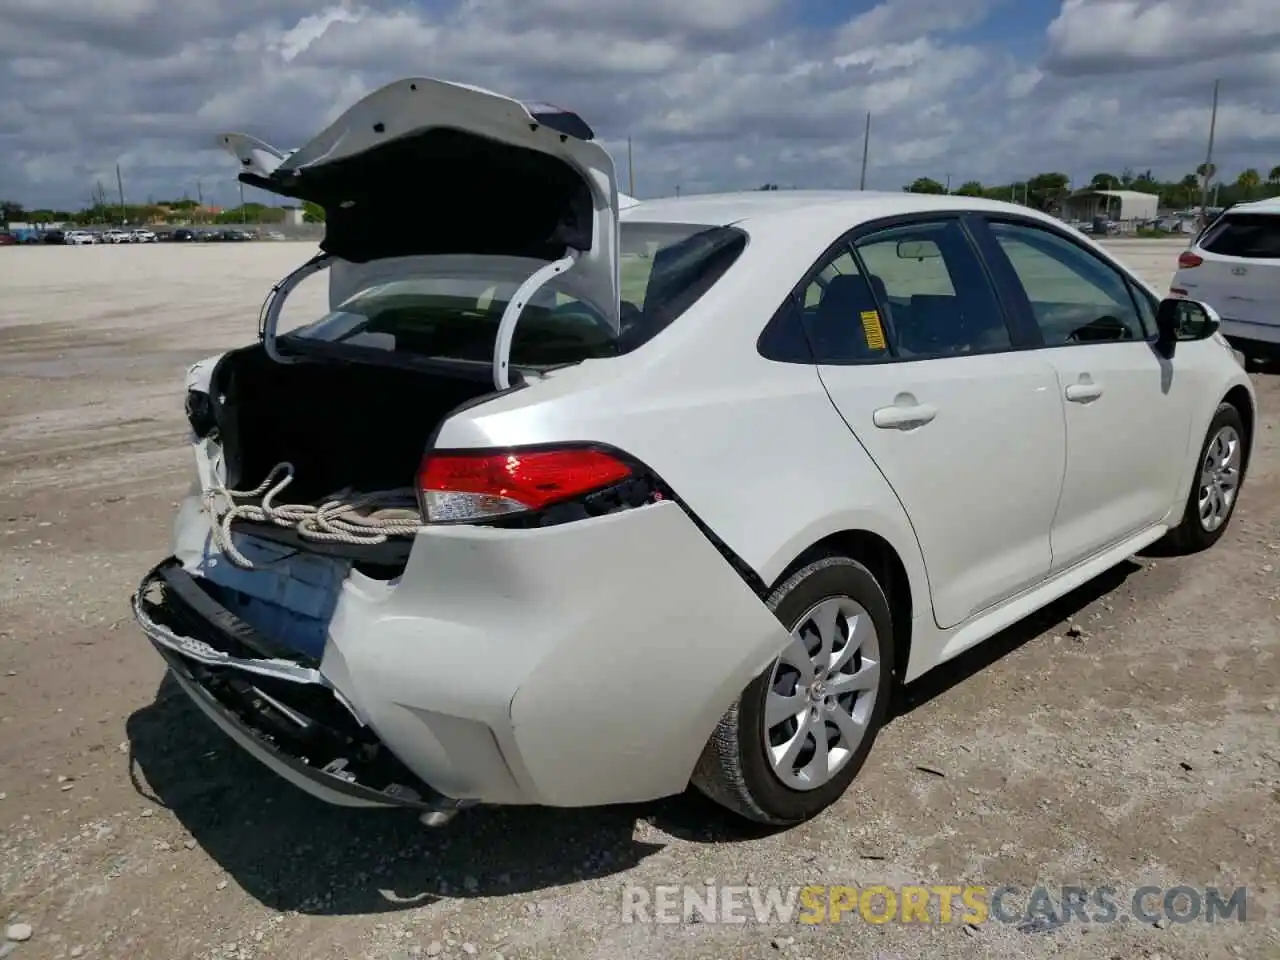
1244,235
664,269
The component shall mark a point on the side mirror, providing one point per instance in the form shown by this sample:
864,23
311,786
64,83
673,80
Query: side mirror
1178,319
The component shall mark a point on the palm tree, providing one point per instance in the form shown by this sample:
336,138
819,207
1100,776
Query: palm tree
1273,177
1206,170
1247,180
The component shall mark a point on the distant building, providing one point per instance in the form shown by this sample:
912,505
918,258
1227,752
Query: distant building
1111,204
294,216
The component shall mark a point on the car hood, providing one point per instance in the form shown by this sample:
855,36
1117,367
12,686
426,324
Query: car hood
426,167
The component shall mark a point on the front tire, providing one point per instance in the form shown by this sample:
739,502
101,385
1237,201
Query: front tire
793,742
1216,486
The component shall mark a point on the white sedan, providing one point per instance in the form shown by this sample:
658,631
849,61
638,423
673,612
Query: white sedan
559,505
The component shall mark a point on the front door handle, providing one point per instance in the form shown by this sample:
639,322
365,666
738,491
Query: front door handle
1083,392
904,417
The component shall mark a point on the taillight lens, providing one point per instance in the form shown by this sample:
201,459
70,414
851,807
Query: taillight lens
458,486
1187,259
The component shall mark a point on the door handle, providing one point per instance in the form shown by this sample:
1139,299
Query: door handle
1083,392
905,417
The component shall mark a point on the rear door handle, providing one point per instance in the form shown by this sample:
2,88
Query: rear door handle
1083,392
905,417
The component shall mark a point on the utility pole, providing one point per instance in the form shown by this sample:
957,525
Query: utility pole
1208,159
677,190
244,214
866,144
948,183
631,170
120,187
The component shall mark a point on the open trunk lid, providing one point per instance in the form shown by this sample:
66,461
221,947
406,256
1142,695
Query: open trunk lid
425,168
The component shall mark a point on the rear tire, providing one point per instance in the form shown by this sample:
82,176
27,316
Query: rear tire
1215,488
777,774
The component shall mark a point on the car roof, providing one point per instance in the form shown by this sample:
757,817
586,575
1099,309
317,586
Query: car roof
1269,205
761,208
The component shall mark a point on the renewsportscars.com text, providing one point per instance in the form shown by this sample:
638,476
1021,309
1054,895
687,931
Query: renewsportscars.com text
936,903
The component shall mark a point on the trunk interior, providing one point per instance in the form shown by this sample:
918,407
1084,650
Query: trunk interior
341,424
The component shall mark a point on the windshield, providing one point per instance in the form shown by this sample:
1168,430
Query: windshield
453,314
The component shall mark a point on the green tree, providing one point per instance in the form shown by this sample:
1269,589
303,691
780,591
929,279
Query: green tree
312,212
11,210
1126,177
1206,170
971,188
1248,181
1273,178
1146,182
1046,191
924,185
1104,181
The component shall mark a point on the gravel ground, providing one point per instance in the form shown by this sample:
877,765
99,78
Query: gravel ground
1126,736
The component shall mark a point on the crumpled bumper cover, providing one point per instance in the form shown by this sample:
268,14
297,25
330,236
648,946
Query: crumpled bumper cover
574,665
278,707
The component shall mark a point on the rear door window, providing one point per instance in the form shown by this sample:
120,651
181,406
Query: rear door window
913,292
934,293
1256,236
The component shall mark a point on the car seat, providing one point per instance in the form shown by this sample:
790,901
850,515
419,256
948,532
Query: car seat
836,329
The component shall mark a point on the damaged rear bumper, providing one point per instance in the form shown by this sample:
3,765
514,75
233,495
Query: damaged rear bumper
574,665
279,709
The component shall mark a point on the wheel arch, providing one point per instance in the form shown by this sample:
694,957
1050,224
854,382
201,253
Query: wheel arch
879,556
1240,398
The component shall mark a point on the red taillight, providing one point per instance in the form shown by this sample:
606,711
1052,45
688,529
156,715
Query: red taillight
1187,259
461,486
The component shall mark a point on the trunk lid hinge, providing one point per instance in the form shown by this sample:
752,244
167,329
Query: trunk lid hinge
511,316
269,316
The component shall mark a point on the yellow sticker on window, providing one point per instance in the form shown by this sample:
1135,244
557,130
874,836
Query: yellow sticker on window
872,329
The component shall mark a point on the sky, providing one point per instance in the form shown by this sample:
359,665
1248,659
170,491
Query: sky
715,94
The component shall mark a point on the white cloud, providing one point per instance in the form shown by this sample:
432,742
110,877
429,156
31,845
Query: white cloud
1106,36
718,94
312,28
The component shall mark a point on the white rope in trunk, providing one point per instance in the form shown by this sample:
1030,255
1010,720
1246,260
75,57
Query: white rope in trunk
364,519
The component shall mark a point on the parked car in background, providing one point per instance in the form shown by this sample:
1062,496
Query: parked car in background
143,236
8,240
54,236
1234,265
182,235
79,238
115,236
905,422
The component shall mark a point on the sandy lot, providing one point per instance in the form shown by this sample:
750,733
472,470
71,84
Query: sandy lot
1127,736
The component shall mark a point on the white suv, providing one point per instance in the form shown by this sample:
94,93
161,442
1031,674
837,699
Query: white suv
1234,265
570,506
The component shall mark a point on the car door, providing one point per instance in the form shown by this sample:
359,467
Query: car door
1128,412
913,349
